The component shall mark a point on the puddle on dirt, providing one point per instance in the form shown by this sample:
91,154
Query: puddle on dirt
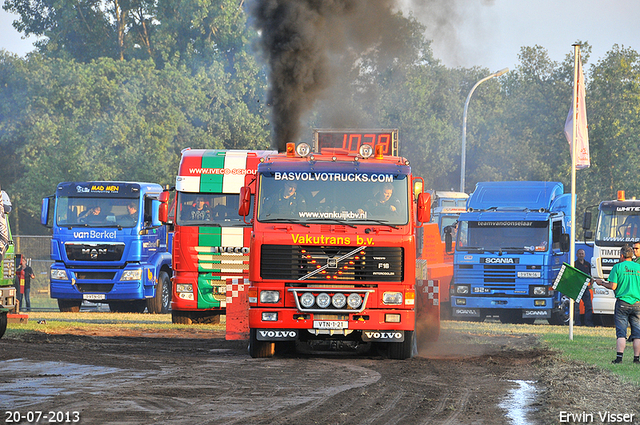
27,382
518,402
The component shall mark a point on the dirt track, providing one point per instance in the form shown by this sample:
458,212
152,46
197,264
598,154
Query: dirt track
196,377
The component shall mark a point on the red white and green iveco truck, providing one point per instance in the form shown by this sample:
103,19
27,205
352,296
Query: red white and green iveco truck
335,265
211,241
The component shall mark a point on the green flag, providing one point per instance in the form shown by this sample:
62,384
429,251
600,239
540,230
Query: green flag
571,282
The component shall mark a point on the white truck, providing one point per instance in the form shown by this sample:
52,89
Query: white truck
618,224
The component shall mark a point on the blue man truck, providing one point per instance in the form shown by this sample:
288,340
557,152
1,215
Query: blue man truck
510,246
108,246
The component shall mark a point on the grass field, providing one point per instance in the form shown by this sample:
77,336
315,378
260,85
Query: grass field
594,346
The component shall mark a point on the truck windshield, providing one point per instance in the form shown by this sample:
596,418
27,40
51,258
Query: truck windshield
97,211
351,198
215,209
618,226
503,235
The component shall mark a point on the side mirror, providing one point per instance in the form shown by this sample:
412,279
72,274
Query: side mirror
424,207
45,211
588,234
448,241
155,213
244,205
586,220
164,196
565,242
163,210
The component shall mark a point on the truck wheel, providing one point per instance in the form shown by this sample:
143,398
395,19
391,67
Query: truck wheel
3,323
161,302
181,317
260,349
402,350
69,306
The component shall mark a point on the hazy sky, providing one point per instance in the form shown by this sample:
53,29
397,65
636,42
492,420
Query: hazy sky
489,33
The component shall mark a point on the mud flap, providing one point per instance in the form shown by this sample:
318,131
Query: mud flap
427,311
237,309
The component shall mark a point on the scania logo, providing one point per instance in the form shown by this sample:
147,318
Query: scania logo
535,313
231,249
500,260
466,312
383,335
278,334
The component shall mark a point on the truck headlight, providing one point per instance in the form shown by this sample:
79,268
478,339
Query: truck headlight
462,289
270,297
354,300
539,290
307,299
58,274
339,300
184,287
392,298
132,274
323,299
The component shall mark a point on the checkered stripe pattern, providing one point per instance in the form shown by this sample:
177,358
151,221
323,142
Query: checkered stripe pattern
235,288
431,289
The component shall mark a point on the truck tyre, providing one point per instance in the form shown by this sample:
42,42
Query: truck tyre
181,317
3,323
260,349
69,306
402,350
161,302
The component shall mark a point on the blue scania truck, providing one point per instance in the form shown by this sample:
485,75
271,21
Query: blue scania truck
108,246
510,246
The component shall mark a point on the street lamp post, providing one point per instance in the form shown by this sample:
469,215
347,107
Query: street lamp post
464,124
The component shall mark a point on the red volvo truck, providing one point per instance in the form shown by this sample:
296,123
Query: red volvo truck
333,247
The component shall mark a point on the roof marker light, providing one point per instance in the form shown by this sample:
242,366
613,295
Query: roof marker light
291,149
303,149
366,150
379,149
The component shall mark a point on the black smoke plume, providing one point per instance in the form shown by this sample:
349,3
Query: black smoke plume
307,44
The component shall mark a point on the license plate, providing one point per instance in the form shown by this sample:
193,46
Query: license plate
528,274
94,297
330,324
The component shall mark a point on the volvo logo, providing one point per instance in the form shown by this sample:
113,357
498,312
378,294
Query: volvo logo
266,335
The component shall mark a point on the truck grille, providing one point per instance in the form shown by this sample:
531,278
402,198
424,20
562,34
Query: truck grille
292,262
500,277
92,287
94,252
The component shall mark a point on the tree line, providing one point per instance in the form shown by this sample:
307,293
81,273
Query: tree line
115,90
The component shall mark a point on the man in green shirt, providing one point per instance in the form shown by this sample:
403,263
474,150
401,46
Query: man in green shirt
636,251
624,280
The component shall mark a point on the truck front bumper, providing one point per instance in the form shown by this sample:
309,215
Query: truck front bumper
384,322
7,297
475,306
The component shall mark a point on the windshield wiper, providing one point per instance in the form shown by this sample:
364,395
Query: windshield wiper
383,222
337,220
518,248
472,248
283,220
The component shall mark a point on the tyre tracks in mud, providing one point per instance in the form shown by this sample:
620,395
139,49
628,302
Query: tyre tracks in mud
212,381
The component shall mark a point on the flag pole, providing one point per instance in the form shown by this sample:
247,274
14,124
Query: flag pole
576,55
